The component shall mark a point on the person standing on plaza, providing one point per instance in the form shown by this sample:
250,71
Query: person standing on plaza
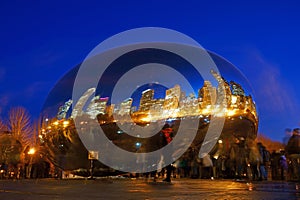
293,152
167,133
265,157
283,165
254,159
287,135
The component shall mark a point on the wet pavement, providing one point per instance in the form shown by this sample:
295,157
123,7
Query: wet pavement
121,188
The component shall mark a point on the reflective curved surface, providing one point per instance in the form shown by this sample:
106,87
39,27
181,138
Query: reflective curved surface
62,145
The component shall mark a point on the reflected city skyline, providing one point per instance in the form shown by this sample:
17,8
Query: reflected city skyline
225,100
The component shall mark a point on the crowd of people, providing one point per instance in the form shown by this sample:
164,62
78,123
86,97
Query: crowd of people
246,159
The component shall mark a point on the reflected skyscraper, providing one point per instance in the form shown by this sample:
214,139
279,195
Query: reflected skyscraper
125,107
62,111
97,106
146,100
78,109
172,98
208,94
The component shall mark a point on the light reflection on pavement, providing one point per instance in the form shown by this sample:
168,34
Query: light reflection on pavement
145,189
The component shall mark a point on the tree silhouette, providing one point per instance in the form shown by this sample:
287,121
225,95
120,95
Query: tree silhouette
9,149
19,125
270,144
3,127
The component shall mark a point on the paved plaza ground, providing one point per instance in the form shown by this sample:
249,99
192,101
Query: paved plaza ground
125,188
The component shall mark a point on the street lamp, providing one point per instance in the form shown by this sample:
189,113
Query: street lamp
31,152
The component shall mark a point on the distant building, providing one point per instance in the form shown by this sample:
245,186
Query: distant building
207,94
172,98
125,107
78,109
227,97
189,105
62,111
237,89
157,108
110,110
146,100
250,105
223,91
97,106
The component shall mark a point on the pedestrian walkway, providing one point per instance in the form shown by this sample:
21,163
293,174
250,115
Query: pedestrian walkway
140,188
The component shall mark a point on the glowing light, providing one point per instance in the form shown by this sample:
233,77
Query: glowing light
220,141
205,111
31,151
231,112
55,123
66,123
206,120
233,99
138,145
146,119
220,113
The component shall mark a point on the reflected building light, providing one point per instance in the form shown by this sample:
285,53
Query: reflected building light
66,123
146,100
233,99
231,112
237,89
125,107
97,106
228,99
78,108
138,145
62,111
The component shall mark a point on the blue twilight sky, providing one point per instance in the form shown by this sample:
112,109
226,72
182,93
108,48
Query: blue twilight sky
42,40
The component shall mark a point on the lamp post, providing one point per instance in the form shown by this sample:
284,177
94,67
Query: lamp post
31,153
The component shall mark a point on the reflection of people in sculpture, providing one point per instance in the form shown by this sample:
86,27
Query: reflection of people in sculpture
293,151
167,132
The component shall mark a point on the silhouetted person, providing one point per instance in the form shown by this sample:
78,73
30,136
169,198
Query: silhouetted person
275,164
293,151
254,160
287,135
293,145
265,158
283,165
167,132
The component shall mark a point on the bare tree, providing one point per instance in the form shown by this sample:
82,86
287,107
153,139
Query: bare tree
3,127
19,125
270,144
